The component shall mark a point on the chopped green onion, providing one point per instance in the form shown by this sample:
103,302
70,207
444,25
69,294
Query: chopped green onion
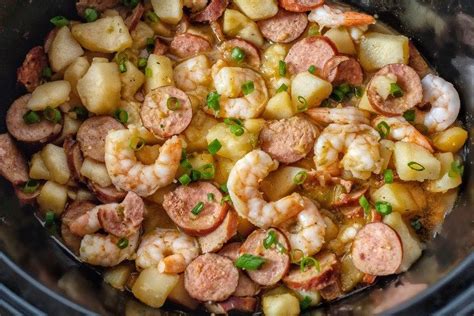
300,177
383,207
91,14
302,104
237,54
415,166
150,44
185,164
151,17
198,208
148,72
81,112
249,262
337,95
49,218
122,243
457,169
121,115
270,239
214,146
173,104
142,62
225,199
313,30
210,197
416,224
388,176
383,129
395,90
281,248
237,130
248,87
46,73
130,3
344,88
232,121
123,67
296,255
312,69
212,101
31,117
137,143
282,68
358,92
184,179
59,21
52,115
281,88
195,175
30,186
410,115
308,262
305,303
365,204
208,171
326,104
224,188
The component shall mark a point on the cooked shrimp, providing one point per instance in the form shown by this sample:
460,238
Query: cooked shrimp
193,76
169,249
332,17
357,32
444,101
401,130
107,250
306,230
229,82
87,223
358,143
243,185
345,115
129,174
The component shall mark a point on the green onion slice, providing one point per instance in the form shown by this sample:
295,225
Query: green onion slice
300,177
52,115
46,73
305,303
395,90
208,171
59,21
30,186
198,208
122,67
81,112
281,88
137,143
214,146
388,176
365,204
130,3
31,117
457,169
49,218
122,243
210,197
337,95
248,87
142,62
282,68
308,262
148,72
184,179
249,262
281,248
195,175
225,199
224,188
185,164
121,115
410,115
383,129
415,166
302,104
237,54
173,104
237,130
151,17
312,69
313,30
212,101
91,14
358,92
270,239
383,207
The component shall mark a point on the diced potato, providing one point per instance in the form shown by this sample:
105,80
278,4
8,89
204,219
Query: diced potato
153,287
279,107
446,181
313,295
140,34
132,80
148,154
310,87
342,39
283,304
452,139
52,197
398,195
377,50
105,35
237,24
159,72
70,127
233,147
100,87
386,151
415,163
169,11
350,276
180,295
223,168
364,103
160,28
258,9
117,276
50,94
412,247
251,33
332,230
38,169
84,195
270,60
197,160
75,71
195,134
280,182
96,171
64,50
254,126
55,160
382,84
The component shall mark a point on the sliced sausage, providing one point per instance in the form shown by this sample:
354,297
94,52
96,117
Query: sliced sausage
231,250
417,62
180,202
30,72
300,5
109,194
74,158
160,47
225,231
211,277
188,45
132,20
288,140
333,290
233,303
99,5
377,249
409,82
92,133
212,12
284,27
13,166
26,198
312,278
343,69
72,212
158,118
122,220
252,56
277,261
310,51
41,132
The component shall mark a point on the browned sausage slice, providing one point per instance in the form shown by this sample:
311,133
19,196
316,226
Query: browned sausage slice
377,249
312,278
311,51
343,69
284,27
13,166
211,277
132,20
288,140
188,45
277,261
30,72
212,12
26,198
92,133
166,111
72,212
231,250
225,231
180,203
252,56
160,47
233,303
99,5
409,82
300,5
74,158
109,194
41,132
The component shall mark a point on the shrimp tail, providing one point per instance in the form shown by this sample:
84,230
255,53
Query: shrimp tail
352,18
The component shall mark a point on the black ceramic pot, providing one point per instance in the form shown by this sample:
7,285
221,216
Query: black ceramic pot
38,276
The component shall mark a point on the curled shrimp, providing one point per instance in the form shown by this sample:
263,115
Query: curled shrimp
306,230
358,143
129,174
401,130
243,93
193,76
170,249
243,185
444,101
327,16
345,115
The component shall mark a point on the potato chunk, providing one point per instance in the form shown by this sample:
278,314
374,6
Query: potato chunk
449,178
398,195
452,139
50,94
117,276
258,9
169,11
377,50
64,50
195,134
341,38
279,107
233,147
55,160
309,87
52,197
76,70
364,103
223,168
132,80
153,287
159,72
96,172
281,304
415,163
105,35
280,182
38,169
237,24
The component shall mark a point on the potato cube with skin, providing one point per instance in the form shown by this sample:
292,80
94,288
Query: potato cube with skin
258,9
153,287
105,35
449,178
310,89
169,11
38,169
282,304
280,182
341,38
76,70
96,171
195,134
140,34
64,50
233,147
279,107
398,195
415,163
55,160
52,197
132,80
377,50
50,94
159,72
452,139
